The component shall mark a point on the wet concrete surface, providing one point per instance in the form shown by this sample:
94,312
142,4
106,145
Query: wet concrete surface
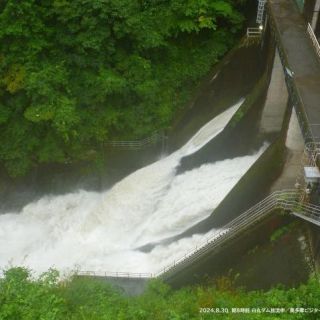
241,140
276,100
227,82
203,109
259,262
293,166
281,263
301,58
230,80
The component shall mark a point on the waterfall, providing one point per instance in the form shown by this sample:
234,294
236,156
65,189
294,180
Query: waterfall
103,231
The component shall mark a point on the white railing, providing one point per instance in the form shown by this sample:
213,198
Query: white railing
254,32
110,274
277,200
312,153
313,39
137,144
260,11
285,199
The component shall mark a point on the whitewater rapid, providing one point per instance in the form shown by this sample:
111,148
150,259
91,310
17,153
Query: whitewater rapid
103,231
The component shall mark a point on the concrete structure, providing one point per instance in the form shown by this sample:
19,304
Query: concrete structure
294,151
312,174
284,200
301,72
299,57
276,101
315,23
311,9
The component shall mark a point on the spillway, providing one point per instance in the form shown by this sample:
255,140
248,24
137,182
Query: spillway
105,231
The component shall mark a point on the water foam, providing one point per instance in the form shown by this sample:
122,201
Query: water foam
101,231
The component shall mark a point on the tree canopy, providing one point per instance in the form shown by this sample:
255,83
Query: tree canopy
77,73
23,297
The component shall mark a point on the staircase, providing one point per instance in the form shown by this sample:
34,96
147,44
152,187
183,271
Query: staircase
287,200
314,40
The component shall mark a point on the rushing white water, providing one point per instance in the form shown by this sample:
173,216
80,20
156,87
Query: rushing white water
102,231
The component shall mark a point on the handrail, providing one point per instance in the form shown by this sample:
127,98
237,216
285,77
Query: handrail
314,39
294,93
254,32
247,218
285,199
114,274
136,144
260,11
312,152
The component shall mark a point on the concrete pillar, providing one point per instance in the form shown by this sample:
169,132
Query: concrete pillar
295,146
276,100
315,15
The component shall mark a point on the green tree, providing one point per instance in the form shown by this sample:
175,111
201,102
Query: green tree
24,297
77,73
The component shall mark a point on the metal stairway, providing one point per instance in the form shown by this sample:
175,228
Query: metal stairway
287,200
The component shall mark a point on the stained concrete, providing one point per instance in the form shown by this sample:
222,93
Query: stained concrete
293,165
272,121
300,57
276,100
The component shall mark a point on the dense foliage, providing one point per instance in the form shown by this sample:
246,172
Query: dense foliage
77,73
24,298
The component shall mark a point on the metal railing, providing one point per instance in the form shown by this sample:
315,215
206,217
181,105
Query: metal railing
237,226
288,200
260,11
294,94
312,153
253,32
285,200
110,274
137,144
313,39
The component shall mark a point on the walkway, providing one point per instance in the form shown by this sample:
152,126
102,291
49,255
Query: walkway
303,65
287,200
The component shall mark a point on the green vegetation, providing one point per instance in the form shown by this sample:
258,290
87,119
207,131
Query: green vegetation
280,232
24,298
77,73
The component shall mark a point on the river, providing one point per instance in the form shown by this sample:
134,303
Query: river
104,231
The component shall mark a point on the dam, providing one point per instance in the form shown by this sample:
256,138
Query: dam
177,204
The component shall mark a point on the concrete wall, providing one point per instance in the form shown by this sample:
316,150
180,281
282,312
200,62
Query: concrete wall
290,268
253,186
294,146
276,100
